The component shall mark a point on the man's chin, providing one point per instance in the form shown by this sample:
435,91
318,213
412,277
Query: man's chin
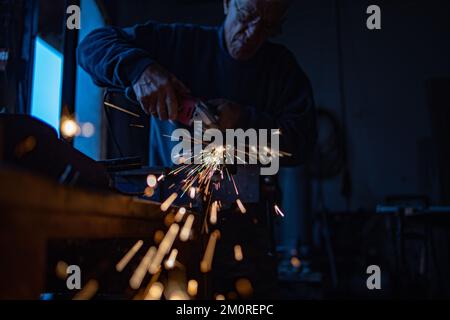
242,55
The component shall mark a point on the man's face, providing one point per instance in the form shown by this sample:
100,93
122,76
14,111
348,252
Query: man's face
249,23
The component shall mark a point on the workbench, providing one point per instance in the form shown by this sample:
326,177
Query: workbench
38,215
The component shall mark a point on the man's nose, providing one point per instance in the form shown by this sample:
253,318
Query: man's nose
254,31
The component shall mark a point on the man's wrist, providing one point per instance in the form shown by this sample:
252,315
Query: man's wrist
139,69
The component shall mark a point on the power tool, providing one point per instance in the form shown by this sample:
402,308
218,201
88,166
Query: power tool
192,109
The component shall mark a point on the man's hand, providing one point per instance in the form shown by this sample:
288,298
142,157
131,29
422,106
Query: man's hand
229,114
159,92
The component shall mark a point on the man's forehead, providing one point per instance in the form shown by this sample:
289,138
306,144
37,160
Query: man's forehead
271,9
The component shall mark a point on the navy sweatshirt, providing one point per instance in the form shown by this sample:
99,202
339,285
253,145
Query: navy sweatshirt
271,86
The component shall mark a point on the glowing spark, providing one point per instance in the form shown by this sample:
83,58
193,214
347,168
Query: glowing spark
238,255
206,263
88,292
152,181
140,126
186,231
241,206
244,288
296,263
170,263
180,215
235,186
213,214
164,248
220,297
192,192
161,178
278,211
130,254
166,204
110,105
155,292
149,192
61,270
141,270
192,288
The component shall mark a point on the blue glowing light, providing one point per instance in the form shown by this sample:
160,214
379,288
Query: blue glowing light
47,82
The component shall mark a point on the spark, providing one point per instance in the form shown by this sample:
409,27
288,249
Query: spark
206,263
244,288
213,213
296,263
192,192
180,215
278,211
186,231
170,263
61,270
152,181
166,204
147,295
192,288
149,192
110,105
164,248
241,206
220,297
130,254
141,270
234,185
238,255
139,126
155,292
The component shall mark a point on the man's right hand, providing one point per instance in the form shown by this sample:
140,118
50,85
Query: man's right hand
159,92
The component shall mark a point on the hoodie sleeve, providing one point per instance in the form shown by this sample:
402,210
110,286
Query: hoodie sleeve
116,57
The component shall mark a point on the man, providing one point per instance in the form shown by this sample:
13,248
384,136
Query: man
254,83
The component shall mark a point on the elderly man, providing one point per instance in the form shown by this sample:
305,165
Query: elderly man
254,83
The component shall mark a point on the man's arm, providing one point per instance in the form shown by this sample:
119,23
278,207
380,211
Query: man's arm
124,58
112,57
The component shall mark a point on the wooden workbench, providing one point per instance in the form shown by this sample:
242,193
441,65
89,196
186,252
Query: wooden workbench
34,210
